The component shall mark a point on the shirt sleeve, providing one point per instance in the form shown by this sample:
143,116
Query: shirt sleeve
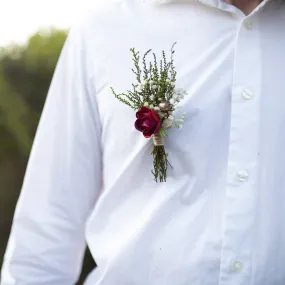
62,181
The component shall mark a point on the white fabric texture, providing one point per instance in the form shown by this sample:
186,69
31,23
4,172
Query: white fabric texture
220,217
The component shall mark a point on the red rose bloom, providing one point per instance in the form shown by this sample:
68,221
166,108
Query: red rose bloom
148,122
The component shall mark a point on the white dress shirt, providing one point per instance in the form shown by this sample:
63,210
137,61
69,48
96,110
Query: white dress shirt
220,217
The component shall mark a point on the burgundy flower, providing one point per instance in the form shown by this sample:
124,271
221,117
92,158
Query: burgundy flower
148,122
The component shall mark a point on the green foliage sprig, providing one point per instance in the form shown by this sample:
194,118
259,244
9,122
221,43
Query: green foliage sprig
154,83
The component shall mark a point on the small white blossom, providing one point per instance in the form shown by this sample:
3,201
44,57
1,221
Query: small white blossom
171,101
180,126
146,104
160,99
151,82
178,91
156,108
183,94
151,97
145,82
172,84
151,106
154,87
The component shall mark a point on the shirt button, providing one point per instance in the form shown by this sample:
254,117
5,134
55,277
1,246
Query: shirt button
248,24
247,94
237,266
242,176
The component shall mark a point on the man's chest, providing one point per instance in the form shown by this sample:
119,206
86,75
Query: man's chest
225,63
230,150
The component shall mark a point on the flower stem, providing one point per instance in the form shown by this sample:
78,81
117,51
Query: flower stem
160,163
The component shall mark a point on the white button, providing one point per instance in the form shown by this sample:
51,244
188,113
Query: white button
247,94
247,24
242,176
237,266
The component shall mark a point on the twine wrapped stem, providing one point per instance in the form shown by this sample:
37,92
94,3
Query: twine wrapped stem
158,140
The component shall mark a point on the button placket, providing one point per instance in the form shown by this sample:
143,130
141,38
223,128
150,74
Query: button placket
242,159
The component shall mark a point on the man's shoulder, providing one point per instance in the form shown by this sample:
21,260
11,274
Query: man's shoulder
103,19
102,12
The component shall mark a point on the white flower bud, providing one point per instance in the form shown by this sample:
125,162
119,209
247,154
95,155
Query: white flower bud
164,106
172,84
151,97
154,87
151,106
146,104
167,123
156,108
151,82
171,101
145,82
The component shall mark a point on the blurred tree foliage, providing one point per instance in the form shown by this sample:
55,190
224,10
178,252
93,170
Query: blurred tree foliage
25,76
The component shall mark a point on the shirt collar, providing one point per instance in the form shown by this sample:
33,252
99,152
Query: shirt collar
215,3
220,4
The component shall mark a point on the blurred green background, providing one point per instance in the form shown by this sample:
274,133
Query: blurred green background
25,75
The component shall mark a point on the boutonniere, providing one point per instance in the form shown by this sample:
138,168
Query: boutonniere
154,97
